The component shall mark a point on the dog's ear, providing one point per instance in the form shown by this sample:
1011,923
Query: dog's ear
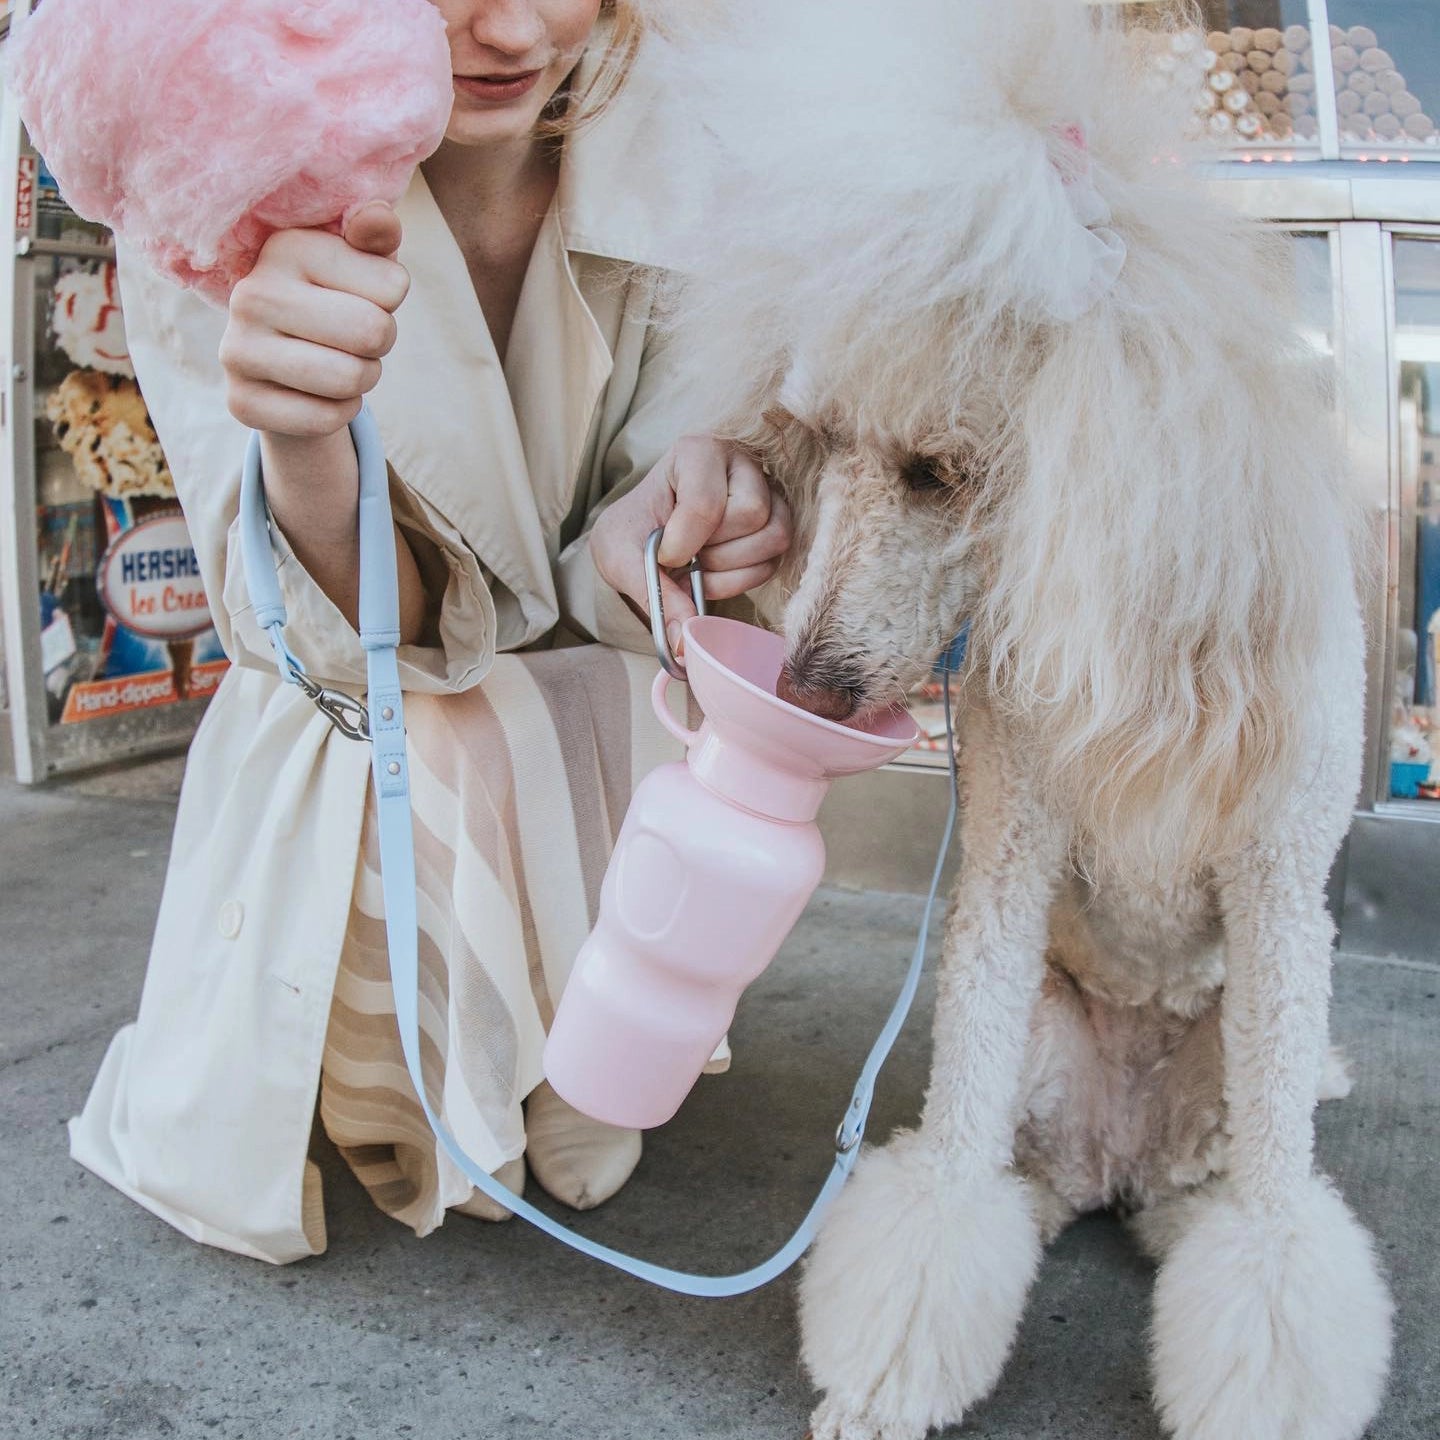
792,452
1175,529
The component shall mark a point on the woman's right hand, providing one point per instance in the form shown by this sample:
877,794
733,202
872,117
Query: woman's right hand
311,323
308,328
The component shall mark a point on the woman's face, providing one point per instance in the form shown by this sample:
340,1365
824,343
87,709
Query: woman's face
509,57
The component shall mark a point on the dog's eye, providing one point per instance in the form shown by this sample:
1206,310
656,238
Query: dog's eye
923,472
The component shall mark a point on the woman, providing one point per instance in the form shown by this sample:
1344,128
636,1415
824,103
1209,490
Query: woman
504,338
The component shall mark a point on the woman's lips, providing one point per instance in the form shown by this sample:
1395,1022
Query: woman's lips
497,88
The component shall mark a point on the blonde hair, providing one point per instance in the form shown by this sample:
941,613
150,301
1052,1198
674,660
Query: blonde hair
573,109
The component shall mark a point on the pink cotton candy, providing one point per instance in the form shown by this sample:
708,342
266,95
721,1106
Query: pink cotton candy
197,128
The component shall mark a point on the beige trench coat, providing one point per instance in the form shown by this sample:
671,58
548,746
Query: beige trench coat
202,1109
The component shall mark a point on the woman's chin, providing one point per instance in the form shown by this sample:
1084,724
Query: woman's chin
492,125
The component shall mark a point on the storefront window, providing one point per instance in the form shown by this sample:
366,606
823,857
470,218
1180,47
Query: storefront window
1415,721
123,615
124,620
1387,75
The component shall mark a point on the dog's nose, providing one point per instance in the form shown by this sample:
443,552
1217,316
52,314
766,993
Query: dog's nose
825,701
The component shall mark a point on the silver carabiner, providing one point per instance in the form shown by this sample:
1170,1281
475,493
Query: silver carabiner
348,715
663,652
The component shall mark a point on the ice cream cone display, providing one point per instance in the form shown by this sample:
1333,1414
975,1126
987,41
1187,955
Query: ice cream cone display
134,619
1374,103
1258,86
86,320
182,657
102,424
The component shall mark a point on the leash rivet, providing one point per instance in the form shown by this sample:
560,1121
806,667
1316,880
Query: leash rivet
393,767
387,713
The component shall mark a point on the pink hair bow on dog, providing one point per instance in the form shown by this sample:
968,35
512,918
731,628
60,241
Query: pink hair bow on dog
197,128
1084,274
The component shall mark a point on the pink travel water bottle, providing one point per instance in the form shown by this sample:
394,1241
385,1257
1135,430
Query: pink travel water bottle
716,860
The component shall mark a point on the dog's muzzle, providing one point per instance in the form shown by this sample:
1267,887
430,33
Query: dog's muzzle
832,695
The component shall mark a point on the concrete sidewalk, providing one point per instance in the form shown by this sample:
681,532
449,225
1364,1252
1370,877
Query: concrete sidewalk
112,1325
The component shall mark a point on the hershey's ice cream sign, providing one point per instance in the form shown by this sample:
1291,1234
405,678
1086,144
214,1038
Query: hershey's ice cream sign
149,580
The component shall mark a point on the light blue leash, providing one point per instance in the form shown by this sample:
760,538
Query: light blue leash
382,722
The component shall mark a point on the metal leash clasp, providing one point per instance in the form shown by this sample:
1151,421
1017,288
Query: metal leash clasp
663,652
851,1130
347,714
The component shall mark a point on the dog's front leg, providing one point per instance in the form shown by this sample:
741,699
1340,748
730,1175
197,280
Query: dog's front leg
911,1299
1271,1319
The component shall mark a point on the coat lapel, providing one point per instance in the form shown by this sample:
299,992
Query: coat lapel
557,368
449,425
448,410
629,190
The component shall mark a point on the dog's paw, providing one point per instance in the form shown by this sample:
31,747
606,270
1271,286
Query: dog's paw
832,1420
913,1293
1270,1327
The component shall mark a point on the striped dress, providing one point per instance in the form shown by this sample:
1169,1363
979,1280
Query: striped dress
519,787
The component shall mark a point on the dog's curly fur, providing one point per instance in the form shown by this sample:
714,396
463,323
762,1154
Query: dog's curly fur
1131,490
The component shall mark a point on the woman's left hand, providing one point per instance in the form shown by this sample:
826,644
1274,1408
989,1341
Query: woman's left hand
714,503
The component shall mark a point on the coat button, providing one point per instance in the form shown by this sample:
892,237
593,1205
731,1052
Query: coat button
232,916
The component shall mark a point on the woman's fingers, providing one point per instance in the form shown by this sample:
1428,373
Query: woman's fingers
679,607
309,326
291,364
714,502
698,476
748,501
722,499
335,318
326,261
727,584
375,229
759,547
261,406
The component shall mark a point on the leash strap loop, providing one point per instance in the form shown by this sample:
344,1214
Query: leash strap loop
380,635
347,714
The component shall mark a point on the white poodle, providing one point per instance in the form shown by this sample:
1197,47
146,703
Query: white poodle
1018,368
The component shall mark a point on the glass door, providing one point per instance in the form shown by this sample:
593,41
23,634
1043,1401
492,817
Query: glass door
1412,773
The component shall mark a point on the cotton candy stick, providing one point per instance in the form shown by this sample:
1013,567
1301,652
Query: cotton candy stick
197,128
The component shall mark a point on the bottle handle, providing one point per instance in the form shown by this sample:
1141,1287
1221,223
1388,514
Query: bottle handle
659,699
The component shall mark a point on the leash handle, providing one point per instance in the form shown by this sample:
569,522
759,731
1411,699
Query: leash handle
380,635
